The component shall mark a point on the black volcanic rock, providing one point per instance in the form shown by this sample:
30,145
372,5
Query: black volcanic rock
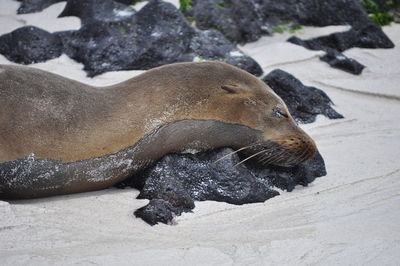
31,6
212,45
28,45
115,37
177,180
288,178
150,39
368,36
248,20
333,57
304,103
365,36
90,11
156,35
342,62
316,13
238,20
157,211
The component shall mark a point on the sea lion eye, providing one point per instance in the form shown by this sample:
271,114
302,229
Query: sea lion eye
277,112
230,88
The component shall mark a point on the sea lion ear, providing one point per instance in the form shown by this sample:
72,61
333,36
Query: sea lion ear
231,88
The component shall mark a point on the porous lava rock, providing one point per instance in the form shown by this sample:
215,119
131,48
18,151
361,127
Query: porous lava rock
365,36
248,20
91,11
156,35
342,62
368,36
239,20
115,37
32,6
304,103
177,180
28,45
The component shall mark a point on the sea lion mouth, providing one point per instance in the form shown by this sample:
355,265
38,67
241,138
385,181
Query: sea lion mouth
286,152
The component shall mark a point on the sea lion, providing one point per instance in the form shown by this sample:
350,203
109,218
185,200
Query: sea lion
59,136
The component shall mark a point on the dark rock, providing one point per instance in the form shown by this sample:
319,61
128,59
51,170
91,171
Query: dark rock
238,20
129,2
334,58
342,62
304,103
212,45
31,6
369,36
244,21
90,11
366,36
288,178
29,45
315,13
114,37
178,179
156,35
157,211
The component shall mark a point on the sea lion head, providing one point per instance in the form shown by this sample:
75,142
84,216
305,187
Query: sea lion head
236,97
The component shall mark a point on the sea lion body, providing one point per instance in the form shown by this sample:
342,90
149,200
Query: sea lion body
59,136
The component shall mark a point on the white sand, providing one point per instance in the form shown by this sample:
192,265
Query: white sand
349,217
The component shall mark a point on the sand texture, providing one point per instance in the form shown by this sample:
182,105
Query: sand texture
349,217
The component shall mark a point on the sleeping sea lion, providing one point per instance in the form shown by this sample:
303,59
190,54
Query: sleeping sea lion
59,136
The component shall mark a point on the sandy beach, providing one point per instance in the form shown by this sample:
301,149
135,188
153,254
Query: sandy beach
349,217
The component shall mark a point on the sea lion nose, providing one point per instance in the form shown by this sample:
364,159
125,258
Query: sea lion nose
297,149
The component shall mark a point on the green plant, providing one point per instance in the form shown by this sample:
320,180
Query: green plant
382,19
223,5
185,5
371,6
217,27
286,27
378,10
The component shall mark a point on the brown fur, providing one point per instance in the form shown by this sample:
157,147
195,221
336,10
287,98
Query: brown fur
62,119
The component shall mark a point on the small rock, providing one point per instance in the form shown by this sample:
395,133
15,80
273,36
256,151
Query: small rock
31,6
90,11
28,45
157,211
366,36
342,62
363,36
239,20
304,103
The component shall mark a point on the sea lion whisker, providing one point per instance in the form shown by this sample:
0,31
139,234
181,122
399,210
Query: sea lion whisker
306,153
267,157
248,158
270,155
232,153
295,156
302,156
279,155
